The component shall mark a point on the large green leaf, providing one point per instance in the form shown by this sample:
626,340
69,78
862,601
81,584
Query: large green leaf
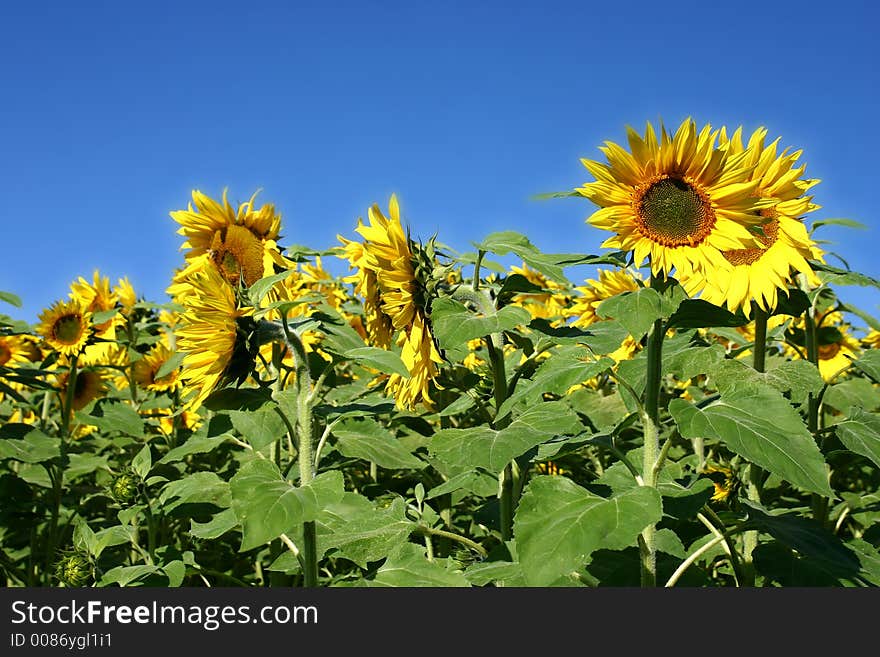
380,359
367,439
195,488
260,427
860,433
483,447
798,377
558,525
359,531
869,363
114,416
566,367
409,567
760,425
267,505
699,313
10,298
810,539
858,392
195,444
454,324
218,525
637,310
34,447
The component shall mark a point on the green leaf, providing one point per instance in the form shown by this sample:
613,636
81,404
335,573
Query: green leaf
196,488
114,417
869,363
568,366
809,538
860,433
370,441
479,482
79,465
260,427
838,221
699,313
142,462
558,525
506,573
10,298
112,536
380,359
358,531
128,575
237,399
636,311
218,525
35,447
261,288
482,447
409,567
691,361
267,505
195,444
799,377
859,392
761,426
170,365
454,324
104,316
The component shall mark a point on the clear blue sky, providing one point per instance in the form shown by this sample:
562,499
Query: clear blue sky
113,112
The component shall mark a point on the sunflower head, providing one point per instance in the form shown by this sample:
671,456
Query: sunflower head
725,482
146,370
66,327
608,284
89,384
217,336
97,297
676,201
398,280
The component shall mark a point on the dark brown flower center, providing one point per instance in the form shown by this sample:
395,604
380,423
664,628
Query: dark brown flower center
68,329
673,212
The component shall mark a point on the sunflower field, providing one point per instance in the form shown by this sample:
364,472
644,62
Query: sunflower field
701,411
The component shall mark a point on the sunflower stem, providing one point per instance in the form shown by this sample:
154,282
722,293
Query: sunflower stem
756,474
305,449
651,432
818,502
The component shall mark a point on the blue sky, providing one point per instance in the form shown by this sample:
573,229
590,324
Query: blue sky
112,113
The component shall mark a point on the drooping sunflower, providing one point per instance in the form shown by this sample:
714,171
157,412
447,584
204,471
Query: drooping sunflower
677,201
16,350
66,327
871,340
758,274
97,297
395,278
213,334
241,242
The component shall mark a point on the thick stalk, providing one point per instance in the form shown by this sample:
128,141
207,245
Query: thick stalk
651,443
756,474
819,503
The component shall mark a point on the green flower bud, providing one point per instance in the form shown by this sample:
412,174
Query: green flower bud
124,488
75,570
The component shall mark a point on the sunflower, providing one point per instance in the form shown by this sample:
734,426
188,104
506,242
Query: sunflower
757,274
678,202
145,370
126,295
188,420
90,384
17,350
836,346
213,335
725,482
550,303
97,297
871,340
66,327
610,283
392,277
240,243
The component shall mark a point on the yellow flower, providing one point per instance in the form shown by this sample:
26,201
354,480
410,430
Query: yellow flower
90,385
395,300
678,201
209,335
836,348
66,327
188,420
240,243
610,283
126,295
785,245
724,481
97,297
144,371
551,303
